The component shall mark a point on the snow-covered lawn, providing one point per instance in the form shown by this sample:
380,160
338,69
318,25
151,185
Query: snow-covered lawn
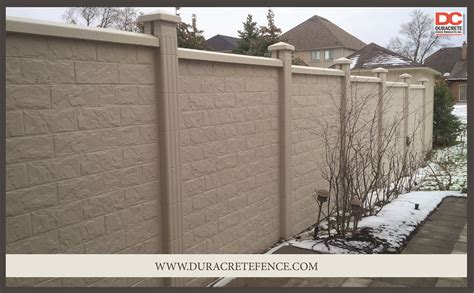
390,227
460,110
453,160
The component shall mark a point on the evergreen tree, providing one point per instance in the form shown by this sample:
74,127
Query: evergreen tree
189,36
446,126
255,41
248,38
269,35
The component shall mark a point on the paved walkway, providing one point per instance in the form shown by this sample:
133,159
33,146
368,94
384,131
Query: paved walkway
445,231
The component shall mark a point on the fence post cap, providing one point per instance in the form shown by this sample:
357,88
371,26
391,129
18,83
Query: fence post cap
405,75
342,61
423,79
379,70
281,46
159,16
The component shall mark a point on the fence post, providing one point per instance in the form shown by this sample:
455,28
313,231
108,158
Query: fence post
382,74
406,99
344,65
423,81
163,26
283,51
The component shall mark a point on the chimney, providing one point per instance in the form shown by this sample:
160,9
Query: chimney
464,51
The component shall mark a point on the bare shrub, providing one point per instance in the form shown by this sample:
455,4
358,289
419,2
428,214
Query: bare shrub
366,157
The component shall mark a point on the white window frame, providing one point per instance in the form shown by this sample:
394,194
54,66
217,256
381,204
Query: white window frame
465,92
328,54
318,56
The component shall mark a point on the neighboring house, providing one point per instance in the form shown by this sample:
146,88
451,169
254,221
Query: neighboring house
318,42
452,63
221,43
373,56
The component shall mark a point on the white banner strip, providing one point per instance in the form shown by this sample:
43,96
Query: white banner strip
236,265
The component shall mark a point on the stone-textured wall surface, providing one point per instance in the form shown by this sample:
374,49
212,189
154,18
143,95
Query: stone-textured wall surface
82,152
81,149
314,102
415,118
229,152
393,105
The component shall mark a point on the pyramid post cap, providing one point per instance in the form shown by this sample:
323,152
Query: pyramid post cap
159,15
281,46
342,61
379,70
405,75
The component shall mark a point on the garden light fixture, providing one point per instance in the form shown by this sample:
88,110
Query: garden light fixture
321,197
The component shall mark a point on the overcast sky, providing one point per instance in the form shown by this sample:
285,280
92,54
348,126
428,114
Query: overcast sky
376,25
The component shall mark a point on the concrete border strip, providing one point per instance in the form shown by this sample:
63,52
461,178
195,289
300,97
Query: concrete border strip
396,84
227,58
55,29
316,70
355,78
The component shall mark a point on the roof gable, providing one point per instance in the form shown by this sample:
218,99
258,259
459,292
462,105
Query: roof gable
444,59
318,32
373,56
221,43
459,71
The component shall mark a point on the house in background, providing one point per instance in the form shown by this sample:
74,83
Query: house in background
221,43
373,56
318,42
452,63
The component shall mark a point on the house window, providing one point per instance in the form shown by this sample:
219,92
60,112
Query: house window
328,54
462,92
315,56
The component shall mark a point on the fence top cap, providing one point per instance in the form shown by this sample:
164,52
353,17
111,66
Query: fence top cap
423,79
405,75
281,46
342,61
379,70
159,16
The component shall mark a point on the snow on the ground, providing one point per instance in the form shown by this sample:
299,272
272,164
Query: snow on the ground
456,155
396,220
392,225
460,110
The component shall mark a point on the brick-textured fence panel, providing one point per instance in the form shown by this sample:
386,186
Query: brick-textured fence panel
314,99
117,145
229,138
82,153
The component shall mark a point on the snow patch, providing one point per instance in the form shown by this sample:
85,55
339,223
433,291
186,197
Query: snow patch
460,111
354,61
392,225
386,60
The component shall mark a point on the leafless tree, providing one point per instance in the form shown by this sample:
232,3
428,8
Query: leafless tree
417,37
127,20
367,161
105,17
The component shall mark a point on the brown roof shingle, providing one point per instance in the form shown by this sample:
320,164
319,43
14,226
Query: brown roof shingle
221,43
373,56
318,32
459,71
444,59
